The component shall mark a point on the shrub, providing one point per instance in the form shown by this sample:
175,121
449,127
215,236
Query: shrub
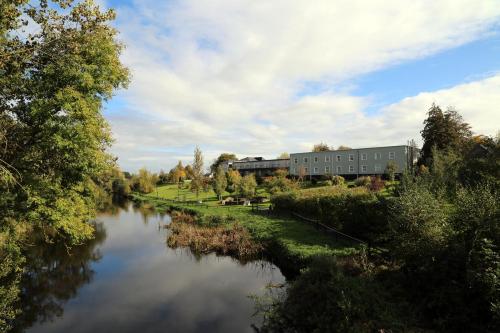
328,183
326,299
363,181
279,184
338,180
376,184
356,211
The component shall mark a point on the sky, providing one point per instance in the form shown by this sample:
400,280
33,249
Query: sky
259,77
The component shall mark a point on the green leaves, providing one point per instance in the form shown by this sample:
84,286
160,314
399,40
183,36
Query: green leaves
53,84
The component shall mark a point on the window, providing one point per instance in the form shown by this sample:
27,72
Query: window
306,170
315,169
364,157
294,171
392,155
378,168
351,157
338,158
295,160
364,168
378,156
305,159
327,158
339,169
327,169
351,168
316,159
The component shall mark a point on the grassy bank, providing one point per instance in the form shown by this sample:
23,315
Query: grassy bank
288,239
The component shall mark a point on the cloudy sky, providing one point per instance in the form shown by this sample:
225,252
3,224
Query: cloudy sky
260,77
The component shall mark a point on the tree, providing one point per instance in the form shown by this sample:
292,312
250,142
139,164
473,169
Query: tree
284,156
224,157
321,147
163,177
341,147
280,182
419,226
391,169
445,131
189,172
233,181
178,173
248,185
219,183
54,82
144,181
197,181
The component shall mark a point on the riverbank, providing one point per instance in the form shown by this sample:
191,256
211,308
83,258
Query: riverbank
289,242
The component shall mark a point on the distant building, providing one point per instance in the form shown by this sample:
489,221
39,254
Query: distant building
352,163
257,165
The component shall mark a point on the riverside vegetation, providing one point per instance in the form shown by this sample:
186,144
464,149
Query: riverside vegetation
59,62
432,263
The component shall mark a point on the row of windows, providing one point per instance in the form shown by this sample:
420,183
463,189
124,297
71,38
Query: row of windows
364,168
363,156
262,165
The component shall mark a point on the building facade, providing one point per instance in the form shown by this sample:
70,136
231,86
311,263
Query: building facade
352,163
257,165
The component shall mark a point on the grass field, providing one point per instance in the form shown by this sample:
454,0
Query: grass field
297,238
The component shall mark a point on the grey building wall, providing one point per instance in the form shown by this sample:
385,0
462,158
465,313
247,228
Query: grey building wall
353,162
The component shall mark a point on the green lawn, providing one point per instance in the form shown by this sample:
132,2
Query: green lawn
297,238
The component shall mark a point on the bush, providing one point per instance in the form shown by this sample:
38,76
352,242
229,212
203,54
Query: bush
326,299
363,181
338,180
328,183
377,184
279,184
356,211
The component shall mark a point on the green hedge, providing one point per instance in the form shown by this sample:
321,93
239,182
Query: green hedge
357,211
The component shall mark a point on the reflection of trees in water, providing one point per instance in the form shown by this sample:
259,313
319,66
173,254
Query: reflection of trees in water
53,275
113,206
147,211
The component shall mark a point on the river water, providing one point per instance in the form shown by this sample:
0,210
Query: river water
128,280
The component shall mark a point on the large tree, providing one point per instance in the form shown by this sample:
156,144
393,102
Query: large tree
224,157
55,75
444,131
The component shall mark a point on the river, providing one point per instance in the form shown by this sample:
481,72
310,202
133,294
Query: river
128,280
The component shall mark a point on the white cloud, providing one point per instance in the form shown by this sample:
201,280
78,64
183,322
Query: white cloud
478,102
225,74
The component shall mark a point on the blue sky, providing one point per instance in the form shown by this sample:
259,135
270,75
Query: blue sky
260,78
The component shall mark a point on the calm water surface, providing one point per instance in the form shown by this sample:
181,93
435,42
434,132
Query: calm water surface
128,280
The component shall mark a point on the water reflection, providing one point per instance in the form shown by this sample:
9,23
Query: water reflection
128,280
53,276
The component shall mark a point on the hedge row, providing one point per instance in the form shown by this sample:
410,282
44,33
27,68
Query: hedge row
356,211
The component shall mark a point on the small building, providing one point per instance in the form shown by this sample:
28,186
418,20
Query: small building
352,163
257,165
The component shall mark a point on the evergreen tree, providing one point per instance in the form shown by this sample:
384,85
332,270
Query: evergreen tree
445,131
